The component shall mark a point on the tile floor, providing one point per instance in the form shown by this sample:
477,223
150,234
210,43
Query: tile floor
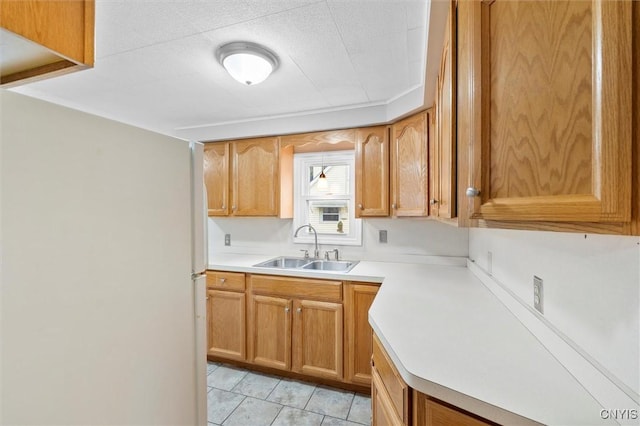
246,398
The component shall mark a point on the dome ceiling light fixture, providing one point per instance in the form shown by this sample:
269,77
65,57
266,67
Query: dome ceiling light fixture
249,63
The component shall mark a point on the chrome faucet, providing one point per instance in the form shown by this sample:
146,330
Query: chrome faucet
316,252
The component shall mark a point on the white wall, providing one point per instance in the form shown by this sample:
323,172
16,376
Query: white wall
409,239
591,288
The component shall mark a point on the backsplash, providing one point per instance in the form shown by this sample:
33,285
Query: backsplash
409,239
591,288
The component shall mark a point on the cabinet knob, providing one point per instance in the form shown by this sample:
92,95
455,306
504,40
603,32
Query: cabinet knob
286,309
233,208
433,201
222,207
222,280
299,310
472,192
393,206
360,206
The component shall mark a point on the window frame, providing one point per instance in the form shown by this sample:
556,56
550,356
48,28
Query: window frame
301,197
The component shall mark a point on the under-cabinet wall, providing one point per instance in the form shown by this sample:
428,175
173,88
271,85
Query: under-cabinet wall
409,239
591,287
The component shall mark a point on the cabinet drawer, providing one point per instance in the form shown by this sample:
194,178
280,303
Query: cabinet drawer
296,287
225,280
395,387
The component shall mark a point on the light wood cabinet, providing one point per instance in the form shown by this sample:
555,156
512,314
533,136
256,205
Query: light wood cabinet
270,331
372,171
64,31
382,411
317,338
216,177
442,140
409,174
296,324
545,113
430,412
390,384
226,328
358,298
255,183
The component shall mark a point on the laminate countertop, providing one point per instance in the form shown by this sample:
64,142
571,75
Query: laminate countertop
451,338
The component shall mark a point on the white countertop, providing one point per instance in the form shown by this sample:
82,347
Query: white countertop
451,338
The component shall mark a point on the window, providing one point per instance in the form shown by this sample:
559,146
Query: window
329,209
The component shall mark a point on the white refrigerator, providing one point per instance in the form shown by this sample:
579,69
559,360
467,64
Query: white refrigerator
103,252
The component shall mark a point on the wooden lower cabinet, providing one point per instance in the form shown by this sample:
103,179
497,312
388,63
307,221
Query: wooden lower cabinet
317,338
395,403
270,325
358,298
226,314
290,331
427,411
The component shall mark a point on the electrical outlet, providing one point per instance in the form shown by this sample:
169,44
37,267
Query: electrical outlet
489,262
227,239
382,236
538,294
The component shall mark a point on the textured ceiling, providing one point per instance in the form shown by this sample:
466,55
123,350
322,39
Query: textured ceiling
155,65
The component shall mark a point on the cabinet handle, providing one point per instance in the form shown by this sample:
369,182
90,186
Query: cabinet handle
286,309
472,192
360,206
299,310
433,201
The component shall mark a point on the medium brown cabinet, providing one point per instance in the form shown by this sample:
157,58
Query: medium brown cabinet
442,141
243,177
255,182
430,412
226,328
296,324
64,31
358,298
409,173
545,112
372,172
216,178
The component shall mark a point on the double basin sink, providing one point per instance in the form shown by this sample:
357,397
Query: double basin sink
284,262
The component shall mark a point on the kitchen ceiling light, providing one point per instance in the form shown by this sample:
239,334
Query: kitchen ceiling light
246,62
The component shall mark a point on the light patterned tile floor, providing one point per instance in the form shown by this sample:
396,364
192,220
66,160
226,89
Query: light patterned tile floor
246,398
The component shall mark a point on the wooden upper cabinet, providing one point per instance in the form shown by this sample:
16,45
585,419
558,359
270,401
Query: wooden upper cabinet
544,110
372,171
409,174
64,30
255,182
442,141
216,178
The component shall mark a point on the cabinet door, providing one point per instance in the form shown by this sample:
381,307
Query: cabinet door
216,177
372,172
358,332
382,410
443,197
317,339
545,109
255,177
428,412
270,332
226,324
409,175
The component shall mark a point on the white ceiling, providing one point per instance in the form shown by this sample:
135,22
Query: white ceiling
342,63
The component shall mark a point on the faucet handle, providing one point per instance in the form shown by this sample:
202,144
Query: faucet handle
306,253
337,253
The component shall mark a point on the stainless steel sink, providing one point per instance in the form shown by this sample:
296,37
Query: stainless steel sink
284,262
330,265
